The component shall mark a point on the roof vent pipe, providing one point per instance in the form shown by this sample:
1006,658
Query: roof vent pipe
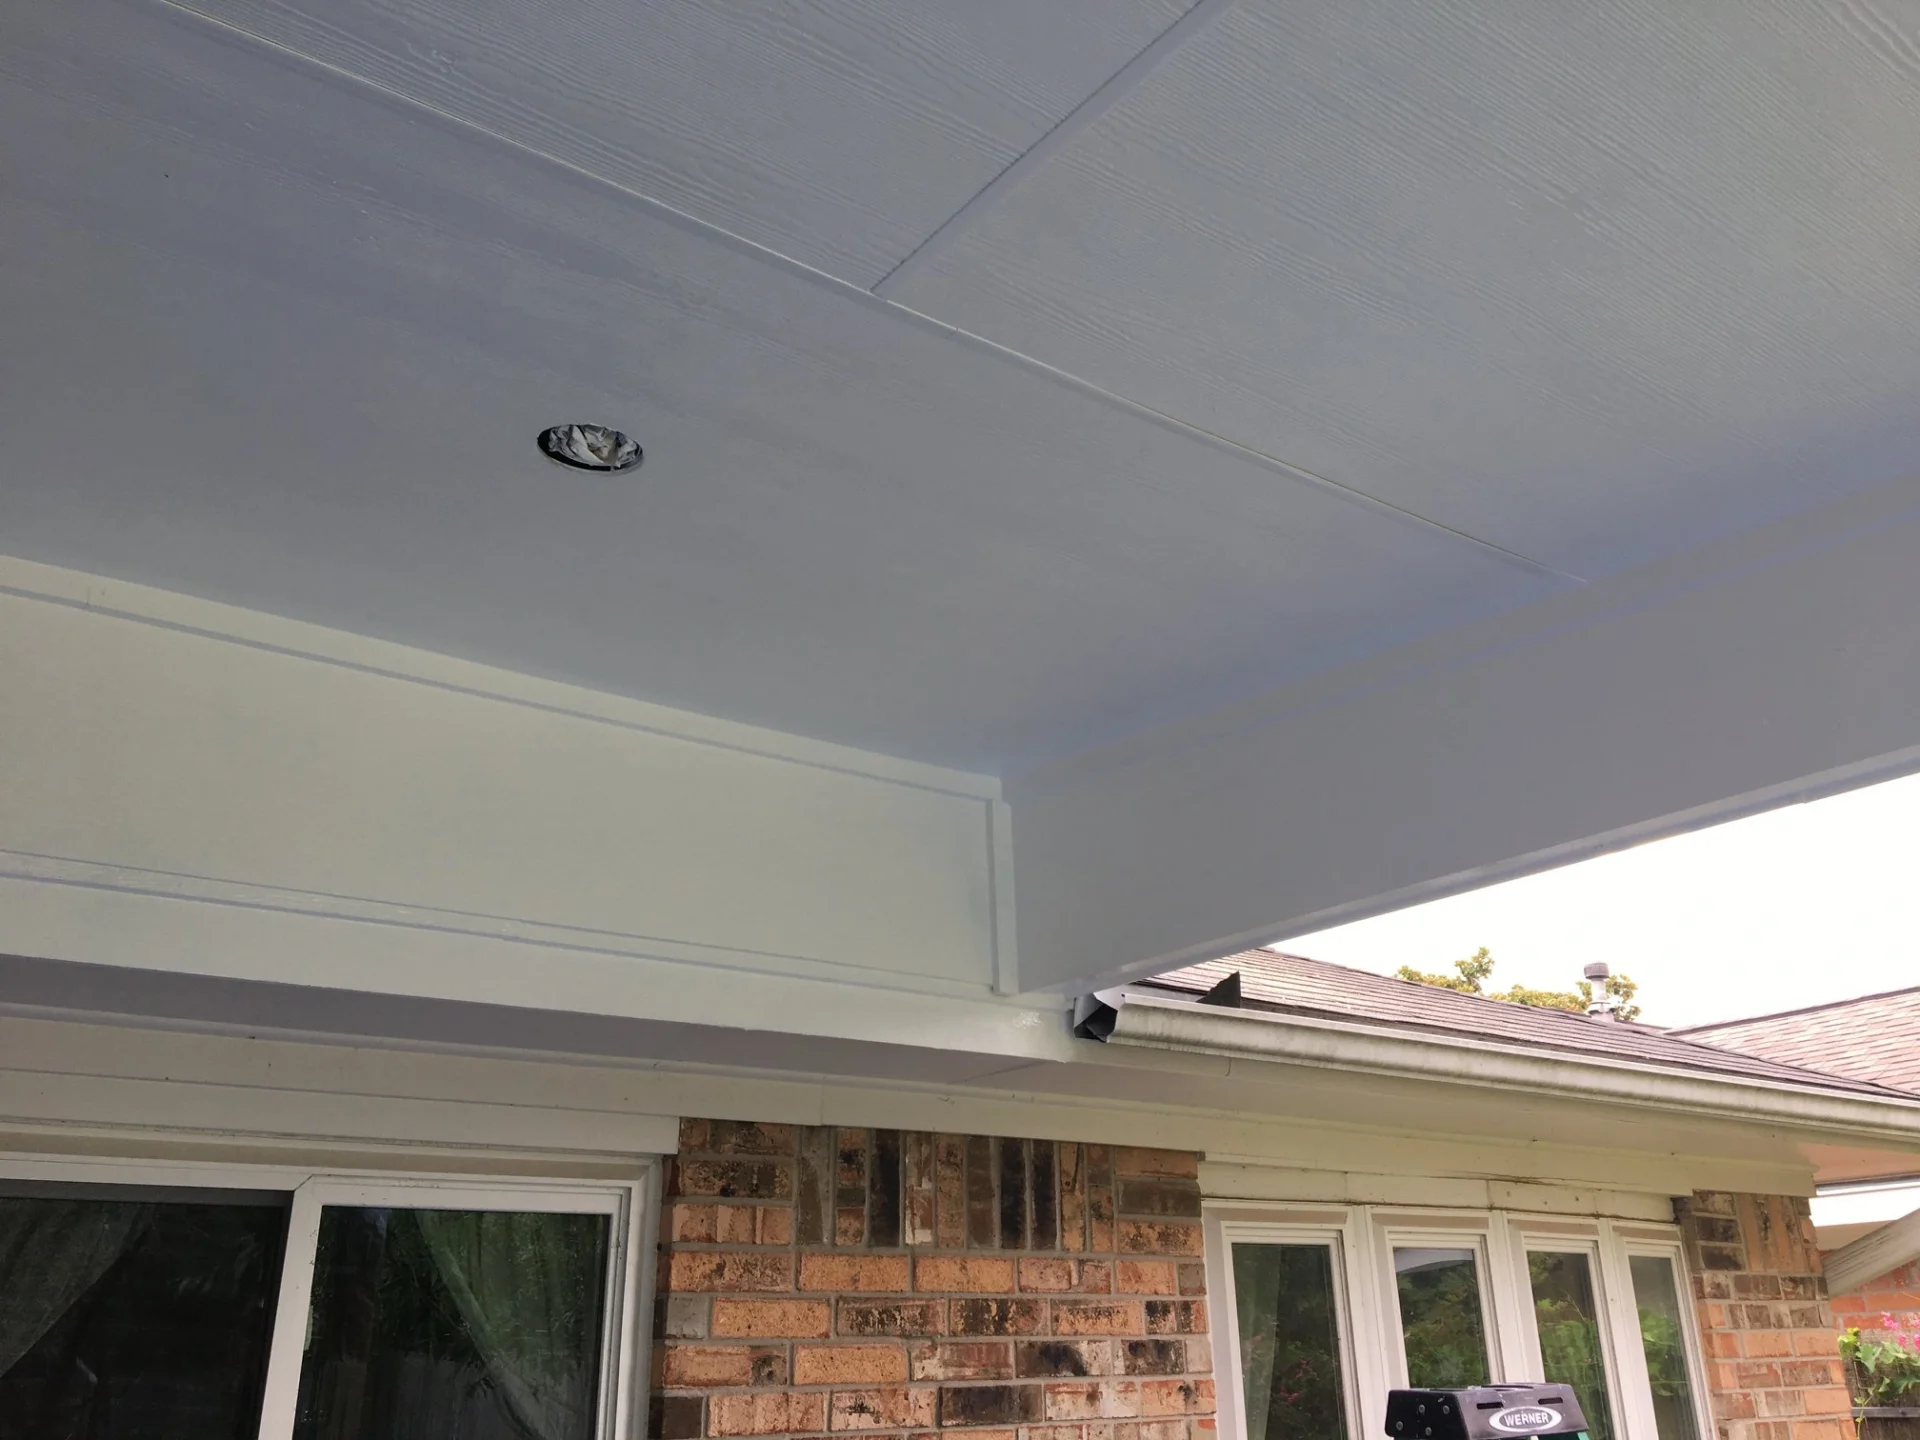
1602,1006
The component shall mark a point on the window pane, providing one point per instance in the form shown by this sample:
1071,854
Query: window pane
1663,1336
135,1319
459,1324
1289,1342
1569,1325
1440,1317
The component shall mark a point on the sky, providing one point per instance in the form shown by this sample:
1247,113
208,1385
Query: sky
1813,902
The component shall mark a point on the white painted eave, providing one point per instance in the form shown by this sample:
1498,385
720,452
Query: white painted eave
1158,1022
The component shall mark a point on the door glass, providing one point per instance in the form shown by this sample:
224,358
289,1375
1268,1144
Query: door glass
131,1318
1568,1321
1290,1368
462,1324
1663,1337
1446,1335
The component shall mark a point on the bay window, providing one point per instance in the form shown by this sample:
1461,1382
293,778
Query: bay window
1320,1312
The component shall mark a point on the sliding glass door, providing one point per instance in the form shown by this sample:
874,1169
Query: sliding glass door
339,1310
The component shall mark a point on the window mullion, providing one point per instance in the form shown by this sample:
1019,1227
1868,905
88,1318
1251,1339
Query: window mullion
289,1342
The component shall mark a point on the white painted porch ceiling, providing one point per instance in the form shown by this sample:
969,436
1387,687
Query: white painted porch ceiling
1325,325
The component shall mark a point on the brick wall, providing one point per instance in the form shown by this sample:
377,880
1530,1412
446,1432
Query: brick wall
816,1281
1896,1293
1773,1372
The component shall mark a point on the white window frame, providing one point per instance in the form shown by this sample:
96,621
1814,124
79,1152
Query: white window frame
630,1204
1373,1348
1337,1229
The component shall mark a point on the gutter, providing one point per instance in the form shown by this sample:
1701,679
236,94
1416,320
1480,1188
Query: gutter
1126,1016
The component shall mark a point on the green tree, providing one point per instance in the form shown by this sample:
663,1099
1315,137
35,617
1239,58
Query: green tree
1471,974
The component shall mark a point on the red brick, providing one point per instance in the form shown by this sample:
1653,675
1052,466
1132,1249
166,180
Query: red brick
973,1274
849,1364
770,1319
858,1273
766,1413
1038,1273
963,1360
729,1270
997,1317
1096,1277
776,1225
702,1366
893,1317
1176,1397
1098,1317
1146,1277
1159,1237
694,1224
888,1409
736,1224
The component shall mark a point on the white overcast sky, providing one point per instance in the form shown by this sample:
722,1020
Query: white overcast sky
1800,905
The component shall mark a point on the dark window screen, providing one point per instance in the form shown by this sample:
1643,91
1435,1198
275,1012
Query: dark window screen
135,1317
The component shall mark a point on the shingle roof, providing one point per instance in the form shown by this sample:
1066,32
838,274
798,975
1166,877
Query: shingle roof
1293,984
1876,1037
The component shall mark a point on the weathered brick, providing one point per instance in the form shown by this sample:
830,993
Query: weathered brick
739,1137
1193,1277
1170,1317
695,1367
775,1225
684,1317
694,1224
893,1317
1063,1358
1044,1274
766,1412
949,1191
1176,1198
769,1319
1099,1199
857,1273
1175,1397
989,1404
1173,1164
881,1409
737,1179
1160,1237
675,1417
997,1317
1073,1197
1098,1317
976,1274
1153,1357
730,1270
1199,1357
1146,1277
849,1364
963,1360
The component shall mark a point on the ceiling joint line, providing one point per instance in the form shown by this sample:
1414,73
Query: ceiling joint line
716,234
1109,93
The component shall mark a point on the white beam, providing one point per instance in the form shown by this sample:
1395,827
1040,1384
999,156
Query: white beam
1781,665
1894,1244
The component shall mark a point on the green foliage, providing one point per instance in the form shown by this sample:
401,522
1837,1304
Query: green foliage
1884,1372
1471,974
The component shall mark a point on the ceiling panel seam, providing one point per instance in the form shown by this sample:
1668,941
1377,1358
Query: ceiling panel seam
848,290
1110,92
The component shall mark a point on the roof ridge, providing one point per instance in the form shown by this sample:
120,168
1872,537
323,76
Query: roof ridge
1797,1010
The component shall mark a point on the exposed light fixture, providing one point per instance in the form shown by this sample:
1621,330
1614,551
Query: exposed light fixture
590,447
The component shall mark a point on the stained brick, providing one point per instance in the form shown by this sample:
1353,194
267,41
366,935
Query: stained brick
1098,1317
997,1317
1193,1278
730,1270
1153,1357
918,1188
1073,1197
1099,1199
849,1364
770,1412
1096,1277
1046,1274
685,1317
769,1319
1160,1237
675,1417
950,1191
813,1201
736,1179
1175,1397
1146,1277
1178,1198
1171,1164
1168,1317
963,1360
739,1137
881,1409
893,1317
976,1274
989,1404
1063,1358
839,1272
695,1224
1044,1198
1013,1194
983,1194
885,1190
